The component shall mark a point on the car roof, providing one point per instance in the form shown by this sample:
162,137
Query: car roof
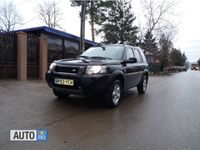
103,44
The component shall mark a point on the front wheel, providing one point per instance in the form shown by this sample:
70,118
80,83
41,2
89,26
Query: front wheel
60,94
142,86
114,95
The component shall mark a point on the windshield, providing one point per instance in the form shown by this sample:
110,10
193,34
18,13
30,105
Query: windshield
107,52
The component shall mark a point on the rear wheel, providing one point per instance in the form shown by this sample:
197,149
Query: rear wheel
60,94
114,95
142,86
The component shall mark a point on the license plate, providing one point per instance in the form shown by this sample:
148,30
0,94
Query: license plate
64,82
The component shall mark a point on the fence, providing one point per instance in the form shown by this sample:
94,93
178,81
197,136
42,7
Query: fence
22,56
8,60
27,55
154,68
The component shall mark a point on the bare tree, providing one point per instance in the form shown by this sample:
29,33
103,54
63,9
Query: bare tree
169,31
9,17
157,14
50,14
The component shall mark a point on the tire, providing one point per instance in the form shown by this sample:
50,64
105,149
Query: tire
60,94
142,86
114,95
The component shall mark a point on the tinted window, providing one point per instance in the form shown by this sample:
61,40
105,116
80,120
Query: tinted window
71,49
129,53
115,52
138,55
55,50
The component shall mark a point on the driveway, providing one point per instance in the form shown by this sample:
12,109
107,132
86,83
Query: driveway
167,117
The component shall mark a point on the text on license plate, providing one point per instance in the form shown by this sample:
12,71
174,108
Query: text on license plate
64,82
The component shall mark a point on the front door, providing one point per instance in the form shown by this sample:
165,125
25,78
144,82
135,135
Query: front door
131,70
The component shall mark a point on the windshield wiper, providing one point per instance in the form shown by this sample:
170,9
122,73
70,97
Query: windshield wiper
83,56
99,57
94,57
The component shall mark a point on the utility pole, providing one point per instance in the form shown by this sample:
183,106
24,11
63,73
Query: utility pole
92,20
82,34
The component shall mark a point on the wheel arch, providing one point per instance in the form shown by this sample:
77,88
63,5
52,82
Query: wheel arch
147,74
117,75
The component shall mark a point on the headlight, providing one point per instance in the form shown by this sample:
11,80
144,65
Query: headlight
52,66
96,69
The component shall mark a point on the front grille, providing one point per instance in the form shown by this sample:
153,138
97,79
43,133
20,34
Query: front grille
66,69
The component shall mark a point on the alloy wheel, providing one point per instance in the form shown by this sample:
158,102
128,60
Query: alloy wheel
116,94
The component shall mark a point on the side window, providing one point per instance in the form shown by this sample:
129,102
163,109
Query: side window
129,53
138,56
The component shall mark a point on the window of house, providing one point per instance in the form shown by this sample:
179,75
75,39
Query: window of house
71,49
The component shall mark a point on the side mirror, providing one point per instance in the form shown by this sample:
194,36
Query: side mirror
131,60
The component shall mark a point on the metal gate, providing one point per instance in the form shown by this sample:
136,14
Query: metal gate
8,55
32,56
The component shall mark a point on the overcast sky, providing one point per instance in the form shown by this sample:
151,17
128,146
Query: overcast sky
187,39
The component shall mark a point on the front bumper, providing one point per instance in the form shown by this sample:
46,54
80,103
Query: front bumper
85,84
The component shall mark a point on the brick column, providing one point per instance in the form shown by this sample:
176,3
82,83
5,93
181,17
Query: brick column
43,57
21,56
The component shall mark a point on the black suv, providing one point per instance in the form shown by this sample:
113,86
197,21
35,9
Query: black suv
104,70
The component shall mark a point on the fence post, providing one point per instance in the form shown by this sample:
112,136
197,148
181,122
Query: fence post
43,57
22,56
